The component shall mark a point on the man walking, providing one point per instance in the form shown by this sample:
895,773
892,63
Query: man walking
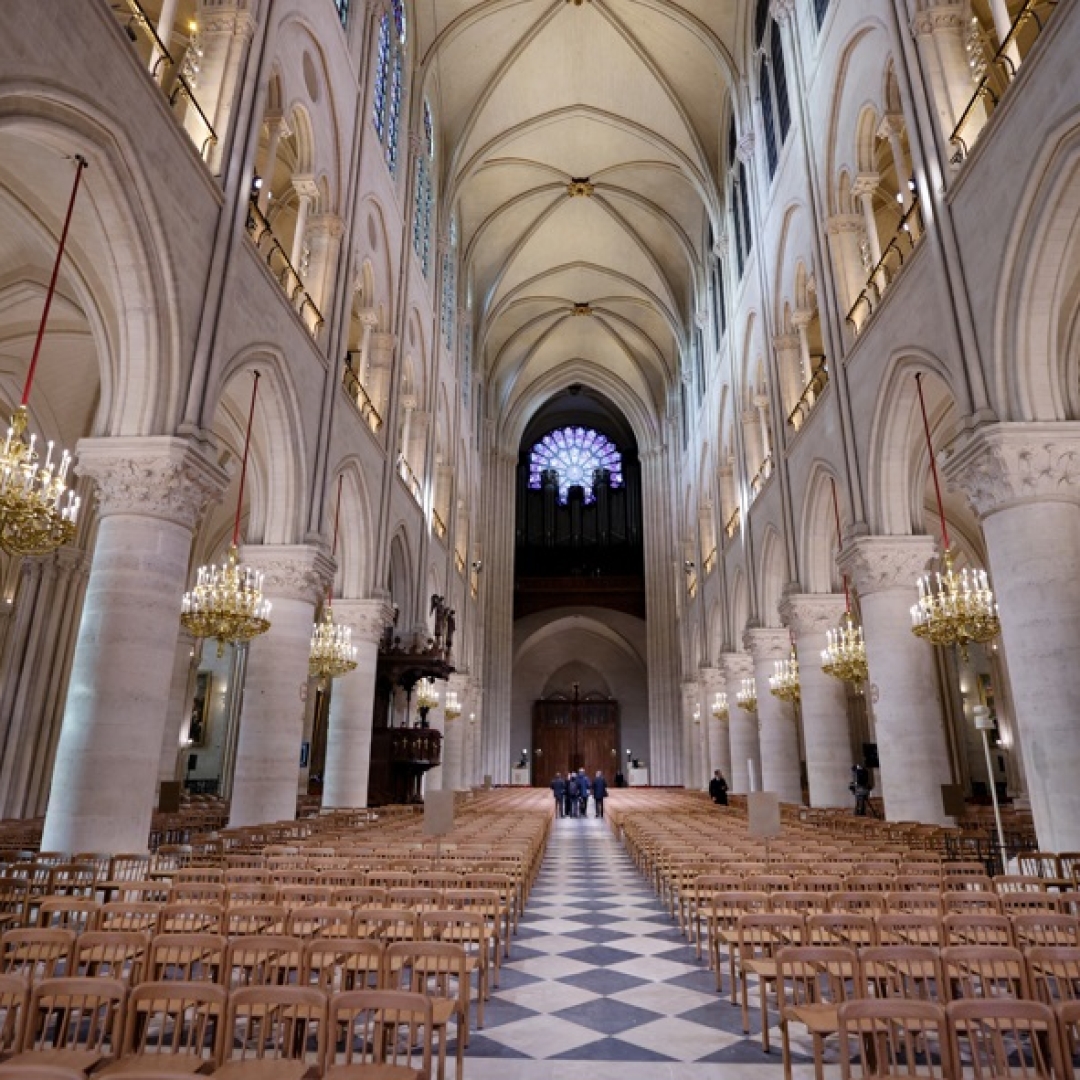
558,788
718,789
583,792
599,791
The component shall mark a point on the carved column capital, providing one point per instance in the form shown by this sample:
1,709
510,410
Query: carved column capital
782,10
936,16
367,618
737,666
744,148
162,477
880,563
839,224
767,643
305,187
291,571
998,466
811,613
783,343
865,184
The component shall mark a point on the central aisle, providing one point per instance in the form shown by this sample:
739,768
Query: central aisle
599,973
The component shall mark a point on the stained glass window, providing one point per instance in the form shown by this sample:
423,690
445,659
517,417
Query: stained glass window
342,10
389,80
425,196
574,453
449,286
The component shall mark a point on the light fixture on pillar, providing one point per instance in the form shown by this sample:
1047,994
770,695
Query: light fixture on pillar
953,608
227,602
35,516
427,698
452,706
332,652
697,714
844,655
746,698
784,681
720,706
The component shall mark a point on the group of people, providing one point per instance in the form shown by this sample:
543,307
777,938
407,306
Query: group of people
572,794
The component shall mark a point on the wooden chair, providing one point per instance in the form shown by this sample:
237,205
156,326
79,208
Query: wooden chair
14,895
197,892
1045,928
469,929
263,960
841,928
295,896
337,965
977,928
187,957
130,915
857,903
724,914
244,893
14,1003
385,924
970,901
1054,971
191,919
1006,1038
760,939
320,920
374,1035
72,1022
894,1038
904,928
75,913
273,1033
912,972
812,982
249,919
440,970
984,971
488,904
171,1027
119,954
1068,1016
359,896
37,954
925,903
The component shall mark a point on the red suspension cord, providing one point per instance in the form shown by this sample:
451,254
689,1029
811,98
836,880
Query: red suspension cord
840,541
243,466
933,463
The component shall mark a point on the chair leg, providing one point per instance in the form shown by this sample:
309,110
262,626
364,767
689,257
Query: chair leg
785,1045
762,984
743,988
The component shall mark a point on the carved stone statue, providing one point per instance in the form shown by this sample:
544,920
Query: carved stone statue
451,625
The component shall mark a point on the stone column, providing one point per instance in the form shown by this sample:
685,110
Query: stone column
691,734
453,751
892,128
845,232
713,683
789,363
369,322
150,493
866,184
181,694
276,128
352,704
275,687
382,367
902,681
745,744
226,30
939,34
780,761
1022,481
324,239
826,729
307,192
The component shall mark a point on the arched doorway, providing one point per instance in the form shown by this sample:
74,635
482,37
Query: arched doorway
575,731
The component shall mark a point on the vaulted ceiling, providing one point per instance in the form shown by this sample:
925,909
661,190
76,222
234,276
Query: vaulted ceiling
628,99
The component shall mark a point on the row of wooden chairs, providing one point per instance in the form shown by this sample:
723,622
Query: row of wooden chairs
176,1028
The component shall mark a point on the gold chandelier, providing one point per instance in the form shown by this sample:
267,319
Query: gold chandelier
784,682
953,608
720,706
427,698
844,655
227,601
452,706
332,652
746,698
35,515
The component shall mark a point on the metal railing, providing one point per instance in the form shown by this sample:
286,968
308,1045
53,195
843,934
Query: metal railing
438,525
1001,70
411,480
888,267
281,267
350,379
168,74
731,527
459,563
710,562
811,392
762,475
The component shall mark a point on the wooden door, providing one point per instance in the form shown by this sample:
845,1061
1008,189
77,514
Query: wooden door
571,733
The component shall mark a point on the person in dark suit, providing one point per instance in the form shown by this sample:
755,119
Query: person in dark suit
718,789
558,788
583,792
572,795
599,791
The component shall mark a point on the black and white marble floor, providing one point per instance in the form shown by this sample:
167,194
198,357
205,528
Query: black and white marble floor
601,984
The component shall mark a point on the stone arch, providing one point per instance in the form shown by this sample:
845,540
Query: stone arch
818,538
740,606
772,577
1037,331
400,580
355,556
111,271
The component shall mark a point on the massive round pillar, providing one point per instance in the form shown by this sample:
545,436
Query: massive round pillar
743,726
779,733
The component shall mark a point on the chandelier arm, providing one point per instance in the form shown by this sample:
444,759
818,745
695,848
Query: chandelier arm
933,463
333,550
80,164
244,462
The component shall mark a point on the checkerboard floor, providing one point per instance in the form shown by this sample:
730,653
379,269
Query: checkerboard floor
601,984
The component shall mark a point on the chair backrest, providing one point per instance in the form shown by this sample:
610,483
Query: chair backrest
764,935
191,919
242,893
359,896
982,971
1005,1038
37,954
859,903
320,920
14,1002
77,913
294,896
965,900
197,892
275,1023
823,883
1045,928
385,924
894,1037
140,915
909,928
75,1014
340,964
815,974
117,954
977,928
263,960
909,900
379,1028
248,919
187,957
175,1019
841,928
1054,971
902,971
435,968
